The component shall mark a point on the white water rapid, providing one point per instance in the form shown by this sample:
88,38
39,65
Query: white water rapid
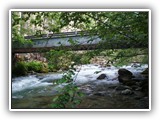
43,84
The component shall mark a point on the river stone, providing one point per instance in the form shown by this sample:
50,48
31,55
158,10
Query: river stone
145,73
145,87
124,75
101,93
102,76
129,82
135,64
122,87
127,92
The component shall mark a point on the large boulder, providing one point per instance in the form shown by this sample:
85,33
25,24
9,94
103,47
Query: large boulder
145,87
145,73
124,75
102,76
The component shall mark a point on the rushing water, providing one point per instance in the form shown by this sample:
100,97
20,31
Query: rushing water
42,84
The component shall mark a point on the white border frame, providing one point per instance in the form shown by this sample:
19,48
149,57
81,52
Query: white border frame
95,10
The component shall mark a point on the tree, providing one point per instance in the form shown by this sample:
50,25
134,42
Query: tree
127,27
112,26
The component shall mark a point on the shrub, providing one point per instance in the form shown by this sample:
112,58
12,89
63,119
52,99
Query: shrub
37,66
20,69
85,59
34,66
58,59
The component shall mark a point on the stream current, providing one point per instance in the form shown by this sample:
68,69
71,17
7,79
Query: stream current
86,75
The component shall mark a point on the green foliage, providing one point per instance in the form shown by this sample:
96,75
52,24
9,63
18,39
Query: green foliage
37,67
76,58
145,59
127,27
22,68
72,42
85,59
69,96
18,32
58,59
124,57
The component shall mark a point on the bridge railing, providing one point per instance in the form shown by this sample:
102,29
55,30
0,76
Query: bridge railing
59,35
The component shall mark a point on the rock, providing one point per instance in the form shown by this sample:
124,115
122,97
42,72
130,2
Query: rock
102,93
108,65
145,87
127,92
99,60
124,72
31,72
138,88
102,76
124,75
129,82
135,64
122,87
145,73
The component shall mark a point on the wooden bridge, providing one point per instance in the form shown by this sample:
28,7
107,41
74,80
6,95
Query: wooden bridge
70,41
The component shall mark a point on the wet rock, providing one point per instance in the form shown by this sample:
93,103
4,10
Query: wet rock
134,87
138,88
102,93
129,83
108,66
122,87
145,73
31,72
112,86
135,64
124,75
102,76
145,87
137,97
123,72
127,92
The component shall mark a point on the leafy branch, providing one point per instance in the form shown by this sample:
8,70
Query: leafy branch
69,96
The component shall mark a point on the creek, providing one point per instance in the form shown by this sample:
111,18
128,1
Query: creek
36,91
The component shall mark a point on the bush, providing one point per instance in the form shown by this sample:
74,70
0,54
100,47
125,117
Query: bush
37,66
20,69
58,59
85,59
76,58
34,66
